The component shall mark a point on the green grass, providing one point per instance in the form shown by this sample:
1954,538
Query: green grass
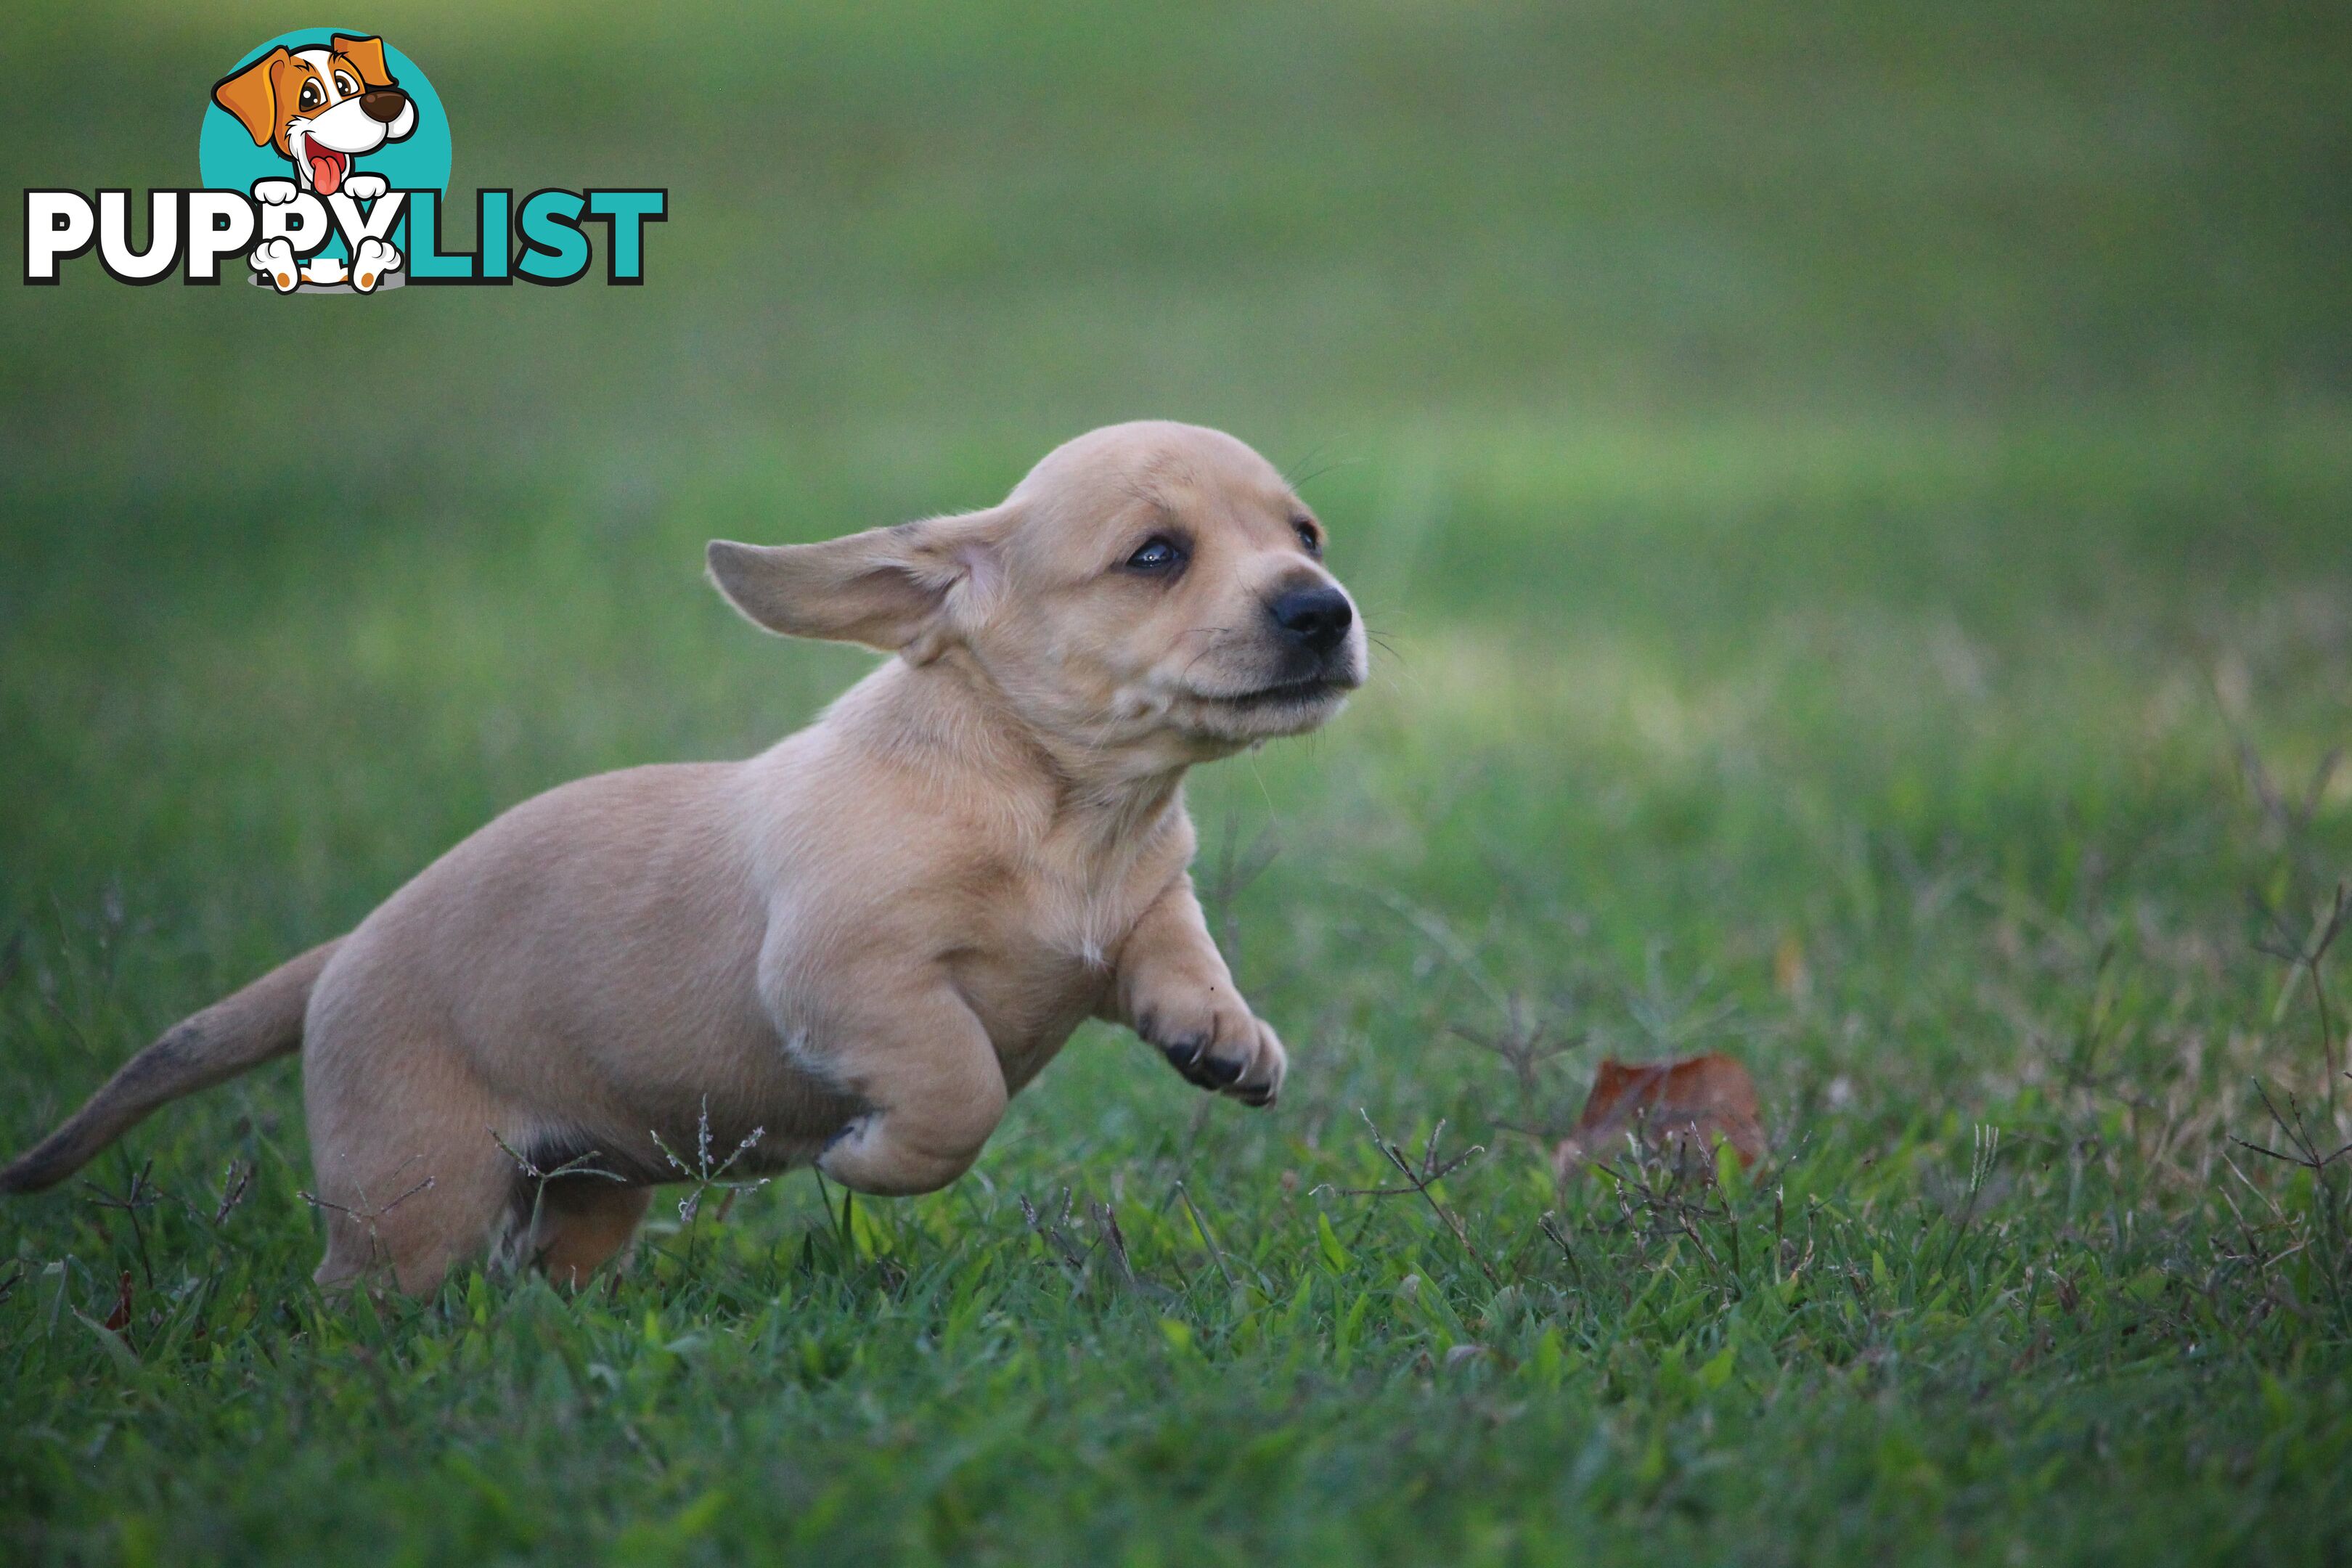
1857,501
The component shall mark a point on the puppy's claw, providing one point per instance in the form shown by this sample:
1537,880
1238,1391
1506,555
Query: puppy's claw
1193,1062
1235,1056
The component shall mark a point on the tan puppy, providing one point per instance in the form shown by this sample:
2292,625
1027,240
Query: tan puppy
864,941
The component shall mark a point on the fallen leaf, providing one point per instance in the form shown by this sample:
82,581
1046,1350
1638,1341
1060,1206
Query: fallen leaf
1671,1105
120,1319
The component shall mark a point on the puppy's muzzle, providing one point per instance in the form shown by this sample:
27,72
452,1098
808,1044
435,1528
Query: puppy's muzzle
383,104
1316,619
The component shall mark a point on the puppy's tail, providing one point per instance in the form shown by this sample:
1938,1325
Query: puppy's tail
239,1032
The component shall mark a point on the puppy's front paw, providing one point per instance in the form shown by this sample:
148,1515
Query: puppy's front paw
365,187
275,192
275,258
1218,1045
371,262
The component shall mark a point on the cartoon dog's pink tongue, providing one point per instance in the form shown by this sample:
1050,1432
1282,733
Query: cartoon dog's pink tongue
327,167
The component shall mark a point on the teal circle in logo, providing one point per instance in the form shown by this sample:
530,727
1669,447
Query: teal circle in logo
228,159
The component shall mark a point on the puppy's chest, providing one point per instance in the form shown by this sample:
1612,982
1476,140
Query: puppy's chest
1042,958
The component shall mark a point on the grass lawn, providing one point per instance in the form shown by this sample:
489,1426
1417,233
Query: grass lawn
1857,501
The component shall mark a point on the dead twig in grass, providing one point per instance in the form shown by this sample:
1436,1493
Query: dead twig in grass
2304,957
1525,1045
704,1174
1679,1211
1575,1269
141,1194
1115,1240
236,1180
1431,1172
1201,1224
1056,1238
2303,1152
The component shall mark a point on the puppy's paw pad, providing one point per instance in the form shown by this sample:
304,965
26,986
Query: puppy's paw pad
1191,1059
1213,1044
274,193
365,187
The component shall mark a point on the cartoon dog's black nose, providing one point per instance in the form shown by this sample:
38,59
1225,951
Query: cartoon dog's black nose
383,104
1316,618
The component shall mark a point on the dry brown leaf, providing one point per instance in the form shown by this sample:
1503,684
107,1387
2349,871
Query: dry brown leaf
1692,1102
120,1319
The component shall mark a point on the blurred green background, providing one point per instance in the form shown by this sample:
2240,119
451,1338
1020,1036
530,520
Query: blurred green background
1640,354
1856,499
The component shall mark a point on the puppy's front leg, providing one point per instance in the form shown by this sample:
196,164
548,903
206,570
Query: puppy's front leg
1172,988
937,1092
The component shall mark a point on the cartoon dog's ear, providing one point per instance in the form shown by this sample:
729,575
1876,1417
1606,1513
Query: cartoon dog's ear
252,96
368,55
905,590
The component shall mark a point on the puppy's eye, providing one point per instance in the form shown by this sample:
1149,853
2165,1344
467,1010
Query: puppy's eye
310,99
1158,553
1309,540
345,84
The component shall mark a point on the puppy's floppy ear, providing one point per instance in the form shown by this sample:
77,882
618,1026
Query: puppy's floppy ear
252,96
368,55
907,590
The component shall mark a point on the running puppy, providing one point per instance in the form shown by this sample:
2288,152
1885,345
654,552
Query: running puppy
865,939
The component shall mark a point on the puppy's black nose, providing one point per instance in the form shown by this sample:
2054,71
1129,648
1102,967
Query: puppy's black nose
1315,619
383,104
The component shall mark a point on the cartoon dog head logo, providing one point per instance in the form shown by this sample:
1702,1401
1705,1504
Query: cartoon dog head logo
321,107
312,125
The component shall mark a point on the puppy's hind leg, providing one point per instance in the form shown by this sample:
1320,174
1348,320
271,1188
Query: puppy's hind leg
581,1223
410,1219
410,1175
